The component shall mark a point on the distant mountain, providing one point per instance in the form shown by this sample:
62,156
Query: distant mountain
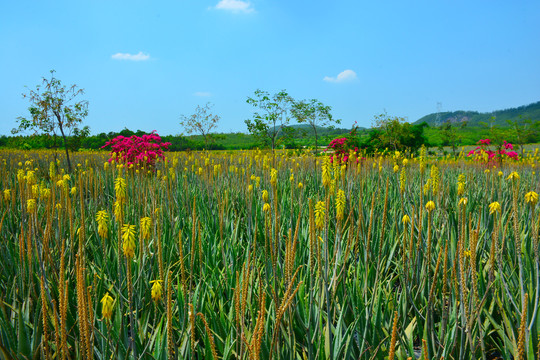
474,118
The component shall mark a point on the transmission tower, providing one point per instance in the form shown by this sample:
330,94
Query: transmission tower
438,116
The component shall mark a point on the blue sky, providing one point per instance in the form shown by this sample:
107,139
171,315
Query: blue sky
144,63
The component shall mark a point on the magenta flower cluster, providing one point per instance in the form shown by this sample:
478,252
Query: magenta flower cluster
506,150
137,150
341,150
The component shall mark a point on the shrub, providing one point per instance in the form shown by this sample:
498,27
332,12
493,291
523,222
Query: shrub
137,150
483,153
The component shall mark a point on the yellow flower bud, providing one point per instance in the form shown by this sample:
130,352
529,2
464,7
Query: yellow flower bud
494,207
513,176
430,206
107,306
157,290
531,198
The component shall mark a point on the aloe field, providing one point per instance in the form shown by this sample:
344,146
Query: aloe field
255,255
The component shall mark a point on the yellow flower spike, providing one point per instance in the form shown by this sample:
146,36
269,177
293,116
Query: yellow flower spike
31,205
500,174
494,207
320,210
467,253
73,190
102,218
107,303
120,189
7,194
35,190
273,176
405,162
300,185
402,180
266,207
460,188
128,236
487,171
118,210
531,198
157,290
406,219
146,224
265,195
250,188
396,168
463,201
30,177
430,206
340,204
513,176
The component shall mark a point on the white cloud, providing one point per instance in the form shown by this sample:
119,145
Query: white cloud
203,94
127,56
345,75
235,6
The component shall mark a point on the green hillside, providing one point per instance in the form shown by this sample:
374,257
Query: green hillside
474,118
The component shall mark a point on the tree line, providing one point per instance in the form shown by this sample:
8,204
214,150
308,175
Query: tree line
56,115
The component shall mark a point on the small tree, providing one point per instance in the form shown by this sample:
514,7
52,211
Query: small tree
450,134
524,131
397,134
202,122
271,125
314,113
53,107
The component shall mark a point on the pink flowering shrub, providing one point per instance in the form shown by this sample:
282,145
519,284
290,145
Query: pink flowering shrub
483,153
137,150
341,148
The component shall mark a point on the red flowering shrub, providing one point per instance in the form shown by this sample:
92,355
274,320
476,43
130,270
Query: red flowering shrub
137,150
483,153
341,148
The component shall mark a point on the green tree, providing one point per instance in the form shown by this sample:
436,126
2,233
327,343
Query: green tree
54,107
450,134
524,131
270,125
314,113
397,134
202,122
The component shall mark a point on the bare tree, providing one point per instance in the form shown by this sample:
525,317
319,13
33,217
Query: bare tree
202,122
